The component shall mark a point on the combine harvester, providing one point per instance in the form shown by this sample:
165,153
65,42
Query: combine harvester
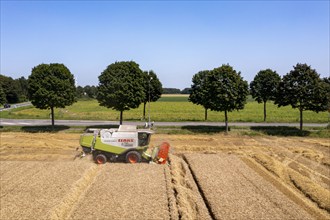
127,143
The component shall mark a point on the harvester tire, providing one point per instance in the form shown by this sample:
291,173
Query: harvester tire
133,157
100,159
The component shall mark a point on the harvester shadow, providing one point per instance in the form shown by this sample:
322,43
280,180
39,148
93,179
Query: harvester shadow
204,129
44,128
281,131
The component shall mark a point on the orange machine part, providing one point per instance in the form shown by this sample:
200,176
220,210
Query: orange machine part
163,152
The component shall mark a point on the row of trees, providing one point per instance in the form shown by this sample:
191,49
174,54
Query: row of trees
91,91
176,91
122,86
223,89
86,92
220,89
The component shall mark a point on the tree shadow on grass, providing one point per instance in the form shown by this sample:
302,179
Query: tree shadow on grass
281,131
203,129
44,128
103,126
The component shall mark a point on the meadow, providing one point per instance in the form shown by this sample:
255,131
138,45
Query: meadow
170,108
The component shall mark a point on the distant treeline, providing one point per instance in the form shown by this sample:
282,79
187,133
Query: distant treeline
91,91
86,92
13,90
16,90
176,91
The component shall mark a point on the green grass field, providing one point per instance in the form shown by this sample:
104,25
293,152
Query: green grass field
170,108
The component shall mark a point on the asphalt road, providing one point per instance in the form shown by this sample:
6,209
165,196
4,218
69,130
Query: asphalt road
38,122
42,122
12,106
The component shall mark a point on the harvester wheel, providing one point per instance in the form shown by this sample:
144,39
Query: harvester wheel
100,159
133,157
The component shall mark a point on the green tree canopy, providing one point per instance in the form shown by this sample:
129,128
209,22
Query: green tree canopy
264,87
80,93
22,85
186,91
326,85
91,91
303,89
10,88
171,91
153,87
228,90
200,93
121,87
3,99
51,86
15,89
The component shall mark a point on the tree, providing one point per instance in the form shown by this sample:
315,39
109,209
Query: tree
303,89
79,92
264,87
152,89
228,90
326,85
51,86
3,99
186,91
91,91
200,93
171,91
15,89
22,85
121,87
10,88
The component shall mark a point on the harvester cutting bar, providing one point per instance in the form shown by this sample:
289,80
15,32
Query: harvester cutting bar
163,152
160,154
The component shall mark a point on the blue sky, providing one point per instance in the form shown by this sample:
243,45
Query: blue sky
176,39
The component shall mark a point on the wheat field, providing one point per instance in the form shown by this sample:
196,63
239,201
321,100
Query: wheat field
207,177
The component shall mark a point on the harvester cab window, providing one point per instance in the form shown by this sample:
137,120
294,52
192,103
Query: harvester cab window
144,138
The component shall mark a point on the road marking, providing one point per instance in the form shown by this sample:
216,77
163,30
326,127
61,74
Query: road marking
13,123
7,123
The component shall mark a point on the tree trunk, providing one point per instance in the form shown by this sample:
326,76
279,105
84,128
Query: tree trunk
52,115
205,114
144,110
121,118
301,118
226,121
265,114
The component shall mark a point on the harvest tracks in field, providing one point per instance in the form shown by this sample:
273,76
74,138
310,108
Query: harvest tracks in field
234,191
191,186
208,177
225,186
82,190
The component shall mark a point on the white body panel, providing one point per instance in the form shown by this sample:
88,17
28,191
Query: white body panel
127,139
